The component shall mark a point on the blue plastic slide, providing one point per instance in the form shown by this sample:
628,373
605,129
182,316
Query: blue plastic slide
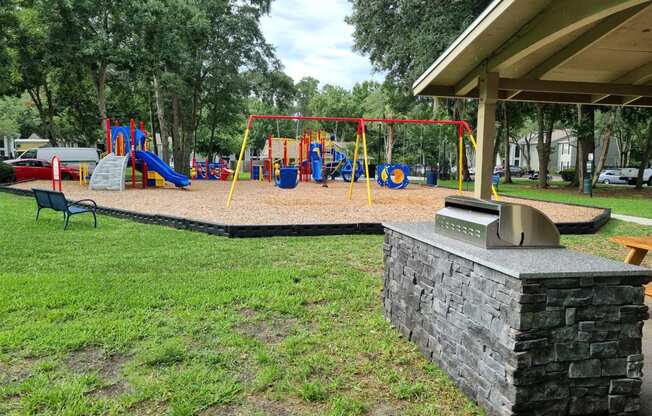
316,170
157,165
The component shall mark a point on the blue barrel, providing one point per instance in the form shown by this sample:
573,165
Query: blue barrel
431,178
255,173
289,178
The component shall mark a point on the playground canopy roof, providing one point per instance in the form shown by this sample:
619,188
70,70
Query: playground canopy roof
579,51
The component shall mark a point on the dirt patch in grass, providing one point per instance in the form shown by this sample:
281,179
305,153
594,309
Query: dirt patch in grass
269,330
96,360
148,408
384,409
112,390
248,312
16,371
107,366
253,405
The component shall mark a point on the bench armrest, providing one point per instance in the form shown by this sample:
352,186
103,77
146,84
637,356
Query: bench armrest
84,200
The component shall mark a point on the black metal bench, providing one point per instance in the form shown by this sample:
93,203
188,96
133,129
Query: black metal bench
57,201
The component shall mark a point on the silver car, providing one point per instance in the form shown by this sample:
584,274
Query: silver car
612,177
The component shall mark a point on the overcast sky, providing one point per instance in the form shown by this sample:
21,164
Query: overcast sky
312,39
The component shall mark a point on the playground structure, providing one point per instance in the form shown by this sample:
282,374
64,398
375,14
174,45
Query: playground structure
308,154
127,146
83,174
393,176
217,171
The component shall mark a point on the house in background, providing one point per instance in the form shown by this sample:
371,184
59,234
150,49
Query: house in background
563,152
32,142
7,147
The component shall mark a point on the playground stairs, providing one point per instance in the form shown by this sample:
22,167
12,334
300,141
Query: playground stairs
109,174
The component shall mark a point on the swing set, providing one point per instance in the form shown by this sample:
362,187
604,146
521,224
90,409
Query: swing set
361,140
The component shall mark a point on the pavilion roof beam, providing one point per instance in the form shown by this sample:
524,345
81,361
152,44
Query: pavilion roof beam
560,18
570,87
638,76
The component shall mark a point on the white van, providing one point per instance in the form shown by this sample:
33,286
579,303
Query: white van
69,156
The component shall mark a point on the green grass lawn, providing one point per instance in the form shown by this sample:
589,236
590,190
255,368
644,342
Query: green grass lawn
139,319
621,199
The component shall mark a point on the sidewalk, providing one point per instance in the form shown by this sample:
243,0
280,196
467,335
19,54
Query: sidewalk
637,220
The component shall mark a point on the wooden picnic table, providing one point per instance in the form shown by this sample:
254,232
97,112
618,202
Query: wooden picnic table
638,248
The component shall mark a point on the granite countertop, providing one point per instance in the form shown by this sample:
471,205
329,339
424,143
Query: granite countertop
522,263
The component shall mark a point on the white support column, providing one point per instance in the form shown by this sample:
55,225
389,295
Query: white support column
484,163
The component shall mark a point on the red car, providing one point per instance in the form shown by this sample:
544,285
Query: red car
29,169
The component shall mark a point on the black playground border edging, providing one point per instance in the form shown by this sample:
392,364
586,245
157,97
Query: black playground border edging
299,230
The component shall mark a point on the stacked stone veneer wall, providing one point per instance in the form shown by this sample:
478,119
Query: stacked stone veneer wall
554,346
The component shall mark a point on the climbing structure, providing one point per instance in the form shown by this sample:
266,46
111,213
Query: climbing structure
128,146
109,174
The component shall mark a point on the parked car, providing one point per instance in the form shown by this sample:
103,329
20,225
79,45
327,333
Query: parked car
632,174
68,156
612,177
534,176
513,170
31,169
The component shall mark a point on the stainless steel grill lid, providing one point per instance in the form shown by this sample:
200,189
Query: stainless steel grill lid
491,224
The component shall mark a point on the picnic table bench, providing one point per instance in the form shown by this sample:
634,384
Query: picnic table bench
638,248
57,201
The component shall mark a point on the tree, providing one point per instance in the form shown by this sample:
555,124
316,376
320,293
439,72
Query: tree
211,48
7,21
404,37
585,132
99,36
306,89
607,132
547,116
33,60
18,117
512,118
647,155
391,102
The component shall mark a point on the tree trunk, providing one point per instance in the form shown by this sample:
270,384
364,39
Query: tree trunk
177,139
606,139
585,141
49,114
99,79
160,114
541,148
389,143
527,153
576,178
647,155
506,164
546,118
35,95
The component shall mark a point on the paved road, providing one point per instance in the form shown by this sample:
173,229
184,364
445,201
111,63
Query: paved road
646,392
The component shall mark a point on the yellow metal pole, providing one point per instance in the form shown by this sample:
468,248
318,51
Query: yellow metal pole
459,159
366,164
355,162
239,164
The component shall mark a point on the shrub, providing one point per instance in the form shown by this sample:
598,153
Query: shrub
568,175
7,173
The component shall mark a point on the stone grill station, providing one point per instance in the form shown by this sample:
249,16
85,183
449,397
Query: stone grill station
522,331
